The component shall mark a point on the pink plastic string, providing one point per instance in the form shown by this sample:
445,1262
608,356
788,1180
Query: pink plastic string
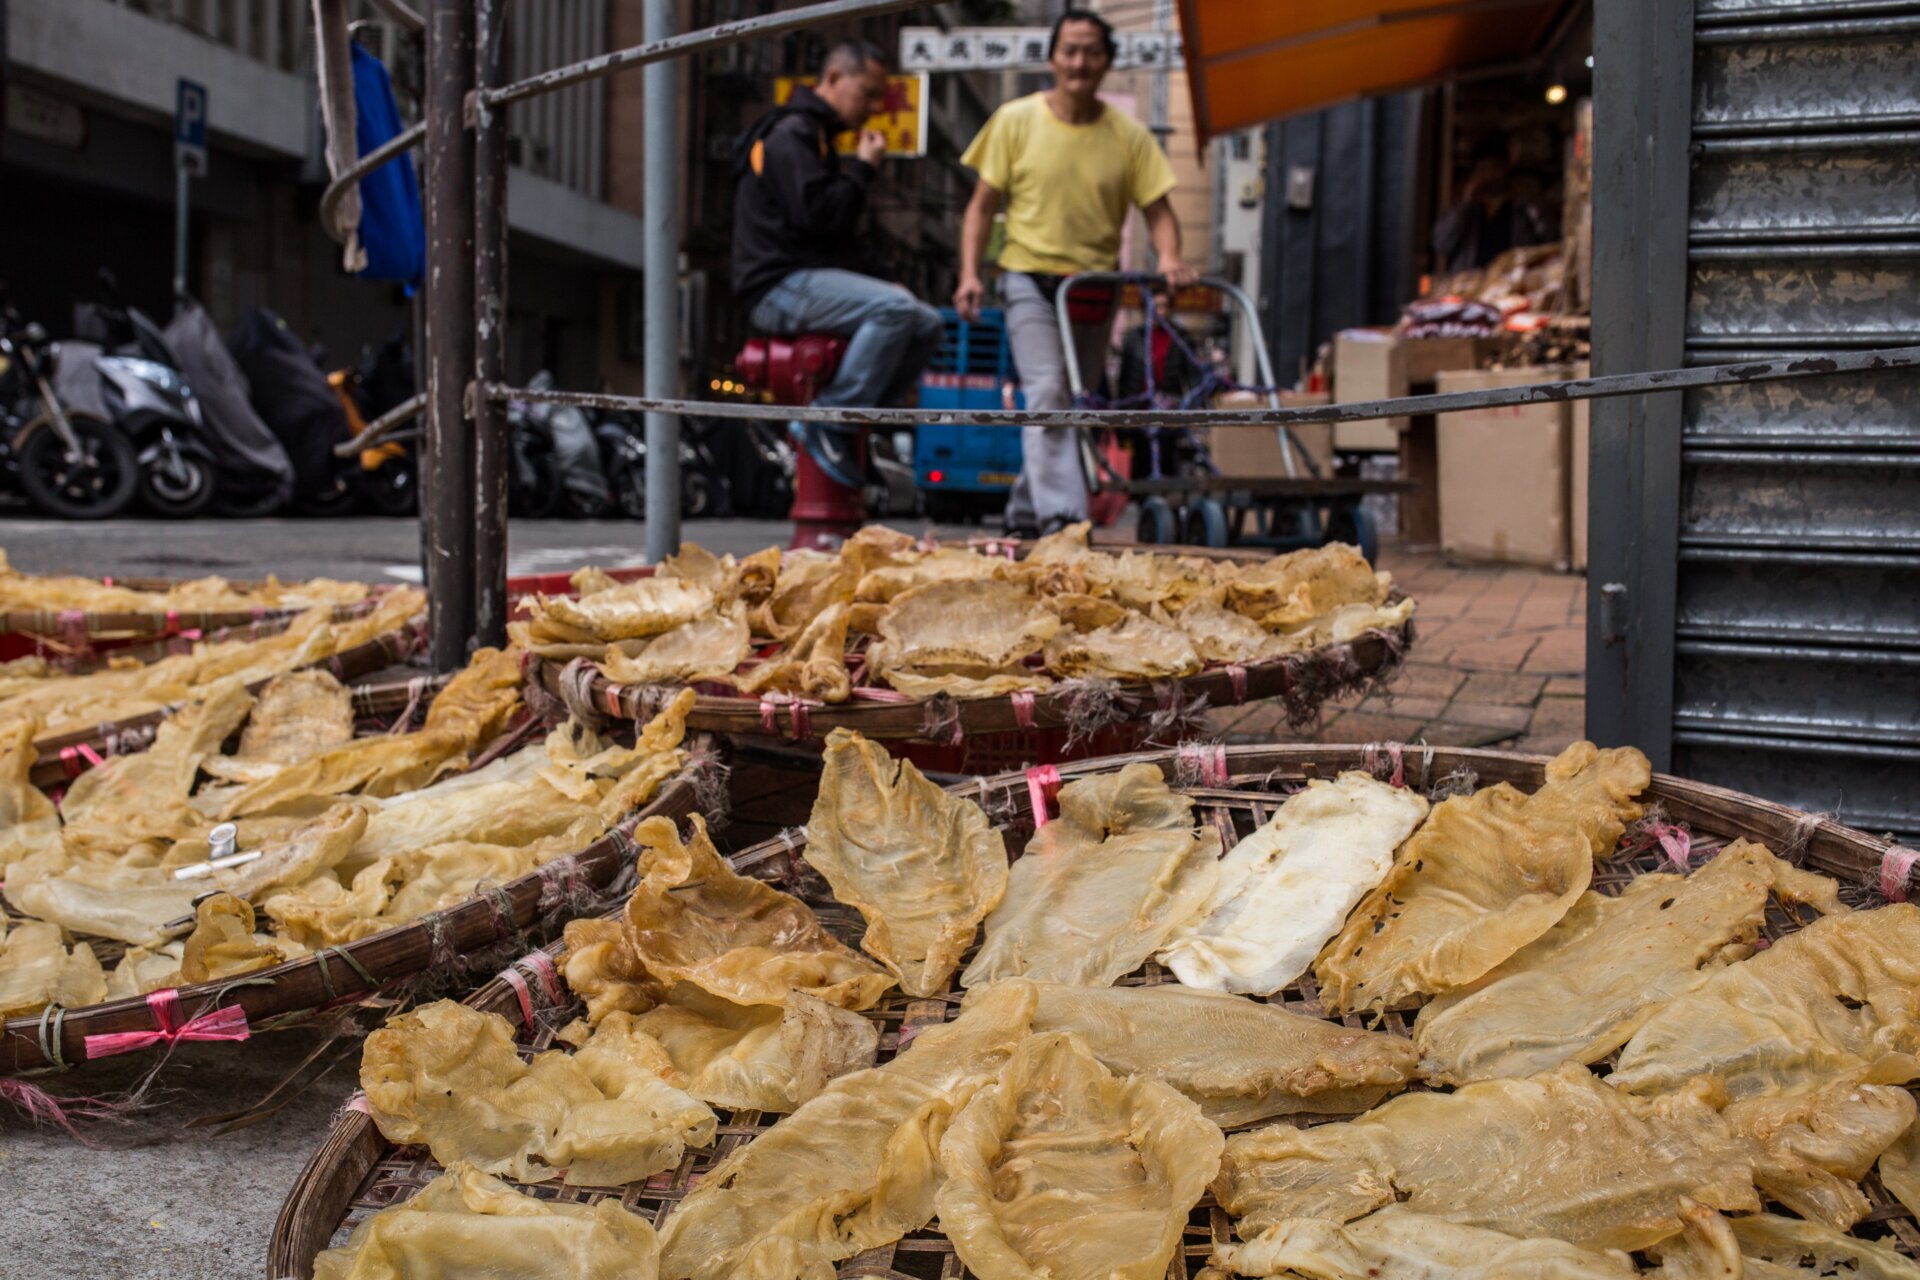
1023,708
358,1102
1895,868
1237,677
229,1023
1677,842
78,759
1208,762
1043,783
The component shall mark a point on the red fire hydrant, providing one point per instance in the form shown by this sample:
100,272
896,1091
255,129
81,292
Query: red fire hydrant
825,512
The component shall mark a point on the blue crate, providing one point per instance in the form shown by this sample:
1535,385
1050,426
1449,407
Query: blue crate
971,369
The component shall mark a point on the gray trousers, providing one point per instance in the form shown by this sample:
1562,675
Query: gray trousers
1052,483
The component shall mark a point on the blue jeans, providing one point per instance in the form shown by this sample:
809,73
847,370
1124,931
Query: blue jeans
891,333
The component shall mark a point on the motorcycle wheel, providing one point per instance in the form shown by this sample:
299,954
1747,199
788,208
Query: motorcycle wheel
630,491
696,495
252,506
98,487
178,497
391,489
539,498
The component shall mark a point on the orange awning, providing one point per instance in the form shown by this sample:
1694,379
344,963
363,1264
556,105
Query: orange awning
1251,61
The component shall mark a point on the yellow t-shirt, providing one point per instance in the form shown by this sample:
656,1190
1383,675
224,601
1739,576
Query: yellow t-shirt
1066,187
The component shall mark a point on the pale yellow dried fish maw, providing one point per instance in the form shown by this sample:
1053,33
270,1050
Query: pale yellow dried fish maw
1777,1248
1141,581
707,648
758,1057
995,685
591,580
1302,585
924,867
313,848
944,564
980,623
1559,1154
1061,1168
1083,612
447,1076
1288,887
643,607
1101,887
465,1223
875,546
128,903
1582,989
601,968
1836,998
1068,543
28,820
299,714
692,918
323,912
1485,876
1900,1169
37,969
1221,635
807,583
1240,1060
222,944
1133,649
854,1168
813,665
1811,1149
754,577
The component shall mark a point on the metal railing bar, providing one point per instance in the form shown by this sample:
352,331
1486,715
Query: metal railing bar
376,432
405,140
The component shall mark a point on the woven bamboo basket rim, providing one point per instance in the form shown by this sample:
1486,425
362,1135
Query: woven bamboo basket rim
355,1171
354,970
92,625
60,758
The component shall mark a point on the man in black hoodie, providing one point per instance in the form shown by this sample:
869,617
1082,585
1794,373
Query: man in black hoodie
796,215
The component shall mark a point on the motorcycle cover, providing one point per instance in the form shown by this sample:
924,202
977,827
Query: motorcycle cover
391,224
576,450
292,397
247,457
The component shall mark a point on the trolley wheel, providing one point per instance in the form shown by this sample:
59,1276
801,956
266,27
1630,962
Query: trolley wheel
1349,522
1204,524
1157,525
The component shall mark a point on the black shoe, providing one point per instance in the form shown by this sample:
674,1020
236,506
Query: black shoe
1020,532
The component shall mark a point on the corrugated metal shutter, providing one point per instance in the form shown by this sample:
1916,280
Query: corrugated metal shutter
1796,652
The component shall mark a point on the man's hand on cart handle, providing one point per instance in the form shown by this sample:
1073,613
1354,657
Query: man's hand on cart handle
1177,273
967,298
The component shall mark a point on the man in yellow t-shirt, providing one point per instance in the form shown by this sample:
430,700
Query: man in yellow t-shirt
1067,168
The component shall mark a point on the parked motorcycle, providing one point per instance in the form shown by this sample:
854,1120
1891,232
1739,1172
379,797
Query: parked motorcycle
622,437
387,481
533,483
68,462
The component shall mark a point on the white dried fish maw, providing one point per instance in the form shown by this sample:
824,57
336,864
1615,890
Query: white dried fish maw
807,583
299,714
692,918
1061,1168
1485,876
1558,1154
129,903
1900,1169
707,648
994,685
1582,989
1083,612
1132,649
875,546
38,969
1300,586
28,820
923,867
1062,546
758,1057
945,564
1242,1061
1395,1244
1836,998
1287,887
1221,635
589,580
447,1076
1141,581
981,623
1777,1248
1101,887
643,607
814,665
854,1168
1811,1149
316,847
465,1223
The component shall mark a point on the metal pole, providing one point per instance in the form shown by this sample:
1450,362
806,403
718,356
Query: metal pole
182,183
447,466
491,458
662,102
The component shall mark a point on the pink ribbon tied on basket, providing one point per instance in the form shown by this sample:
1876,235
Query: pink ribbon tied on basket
1896,865
798,711
1237,678
1023,708
541,966
228,1023
1208,762
1043,784
77,760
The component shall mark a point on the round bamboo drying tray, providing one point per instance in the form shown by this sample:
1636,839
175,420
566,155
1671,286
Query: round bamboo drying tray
524,910
77,631
357,1172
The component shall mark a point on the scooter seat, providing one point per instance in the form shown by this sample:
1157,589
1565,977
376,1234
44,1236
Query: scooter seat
793,370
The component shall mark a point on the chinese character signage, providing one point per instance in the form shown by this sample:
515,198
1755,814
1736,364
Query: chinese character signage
1023,49
902,119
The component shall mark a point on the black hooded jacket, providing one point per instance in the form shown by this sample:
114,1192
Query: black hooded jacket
795,206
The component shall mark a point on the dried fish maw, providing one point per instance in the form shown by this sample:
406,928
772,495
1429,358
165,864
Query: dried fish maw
1142,581
854,1168
315,847
707,648
692,918
807,583
128,903
1485,876
643,607
601,968
1221,635
1134,648
814,665
754,577
992,685
464,1223
323,912
1302,585
28,820
37,969
1064,545
1083,612
1061,1168
1241,1060
980,623
1835,998
1103,886
1287,887
1777,1248
1582,989
1900,1169
589,580
922,866
946,564
1811,1149
1559,1154
447,1076
758,1057
222,944
299,714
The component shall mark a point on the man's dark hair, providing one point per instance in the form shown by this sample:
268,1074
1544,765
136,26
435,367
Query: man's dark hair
851,56
1083,15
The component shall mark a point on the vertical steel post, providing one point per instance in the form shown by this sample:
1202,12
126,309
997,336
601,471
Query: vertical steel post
491,446
448,492
662,102
182,201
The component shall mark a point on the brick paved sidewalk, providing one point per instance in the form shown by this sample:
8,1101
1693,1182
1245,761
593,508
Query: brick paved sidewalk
1499,659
